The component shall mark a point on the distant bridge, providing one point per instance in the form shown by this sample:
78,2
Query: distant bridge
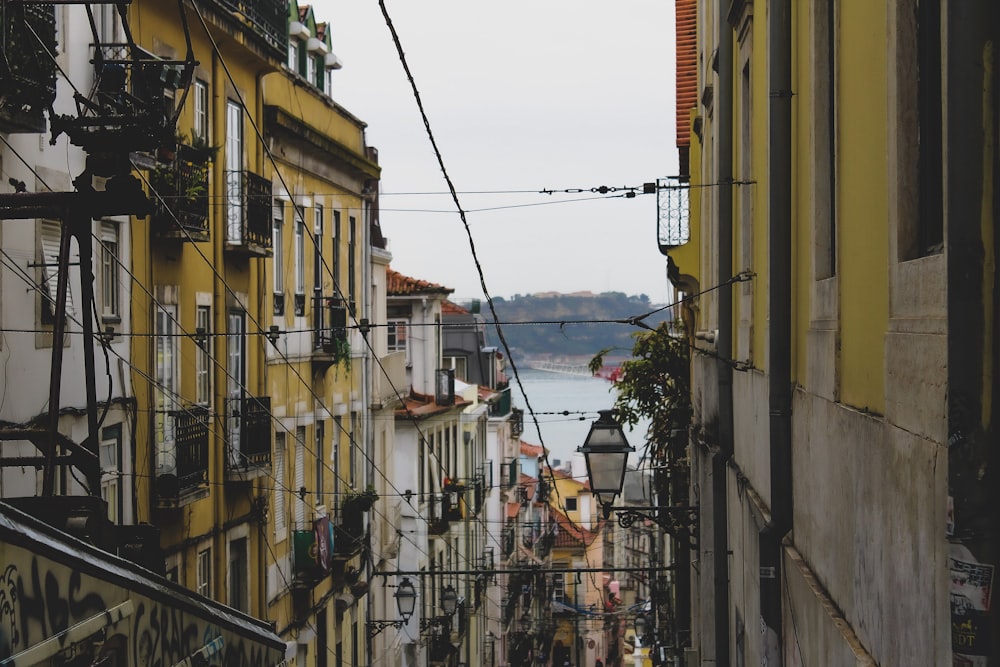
605,372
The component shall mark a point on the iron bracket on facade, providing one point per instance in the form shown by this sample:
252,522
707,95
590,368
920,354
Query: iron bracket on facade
679,522
375,627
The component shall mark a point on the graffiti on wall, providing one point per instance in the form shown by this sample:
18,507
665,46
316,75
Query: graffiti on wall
41,599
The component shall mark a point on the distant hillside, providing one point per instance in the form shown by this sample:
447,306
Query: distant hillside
555,341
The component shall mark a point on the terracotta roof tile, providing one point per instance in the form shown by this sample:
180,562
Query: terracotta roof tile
529,449
422,405
452,308
399,285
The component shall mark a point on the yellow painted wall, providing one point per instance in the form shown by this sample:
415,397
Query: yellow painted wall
862,203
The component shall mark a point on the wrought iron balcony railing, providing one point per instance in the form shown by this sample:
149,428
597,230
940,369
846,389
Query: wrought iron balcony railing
249,433
329,323
28,68
267,20
180,197
249,213
673,228
501,407
190,430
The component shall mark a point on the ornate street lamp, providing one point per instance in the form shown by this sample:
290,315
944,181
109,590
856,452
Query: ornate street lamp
449,603
606,452
449,600
406,603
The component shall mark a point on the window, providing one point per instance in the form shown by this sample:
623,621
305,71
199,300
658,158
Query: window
311,69
559,585
164,400
353,452
239,597
328,77
199,126
300,477
234,172
110,295
203,355
235,381
397,332
320,461
336,247
109,458
203,583
50,234
351,278
280,484
459,365
338,429
293,54
300,260
278,261
318,251
571,504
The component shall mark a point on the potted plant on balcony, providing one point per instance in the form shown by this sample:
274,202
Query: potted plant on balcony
352,509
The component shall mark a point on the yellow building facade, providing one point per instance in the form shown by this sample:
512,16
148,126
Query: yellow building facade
325,179
842,294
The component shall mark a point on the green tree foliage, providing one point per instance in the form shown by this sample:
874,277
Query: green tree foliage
655,384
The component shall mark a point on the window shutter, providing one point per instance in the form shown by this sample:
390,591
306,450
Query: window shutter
50,234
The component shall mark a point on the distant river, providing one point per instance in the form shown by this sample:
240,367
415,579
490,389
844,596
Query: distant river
555,393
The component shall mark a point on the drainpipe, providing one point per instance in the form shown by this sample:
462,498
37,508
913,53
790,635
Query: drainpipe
724,346
780,301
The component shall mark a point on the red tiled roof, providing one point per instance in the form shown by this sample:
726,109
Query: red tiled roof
513,509
321,30
399,285
423,405
452,308
686,45
529,449
571,534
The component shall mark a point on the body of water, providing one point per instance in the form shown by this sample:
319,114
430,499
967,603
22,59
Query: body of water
551,394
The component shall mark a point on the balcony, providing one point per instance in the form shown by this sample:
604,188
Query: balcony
390,381
437,521
180,197
265,20
312,552
189,477
27,71
501,406
673,228
248,422
248,213
330,343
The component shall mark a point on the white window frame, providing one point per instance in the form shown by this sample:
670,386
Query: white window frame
234,172
199,125
203,356
203,572
311,69
300,477
293,54
109,458
110,254
277,245
280,491
300,251
50,235
395,344
167,378
235,380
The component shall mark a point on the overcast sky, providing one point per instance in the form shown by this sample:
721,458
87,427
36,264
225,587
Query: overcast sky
521,95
